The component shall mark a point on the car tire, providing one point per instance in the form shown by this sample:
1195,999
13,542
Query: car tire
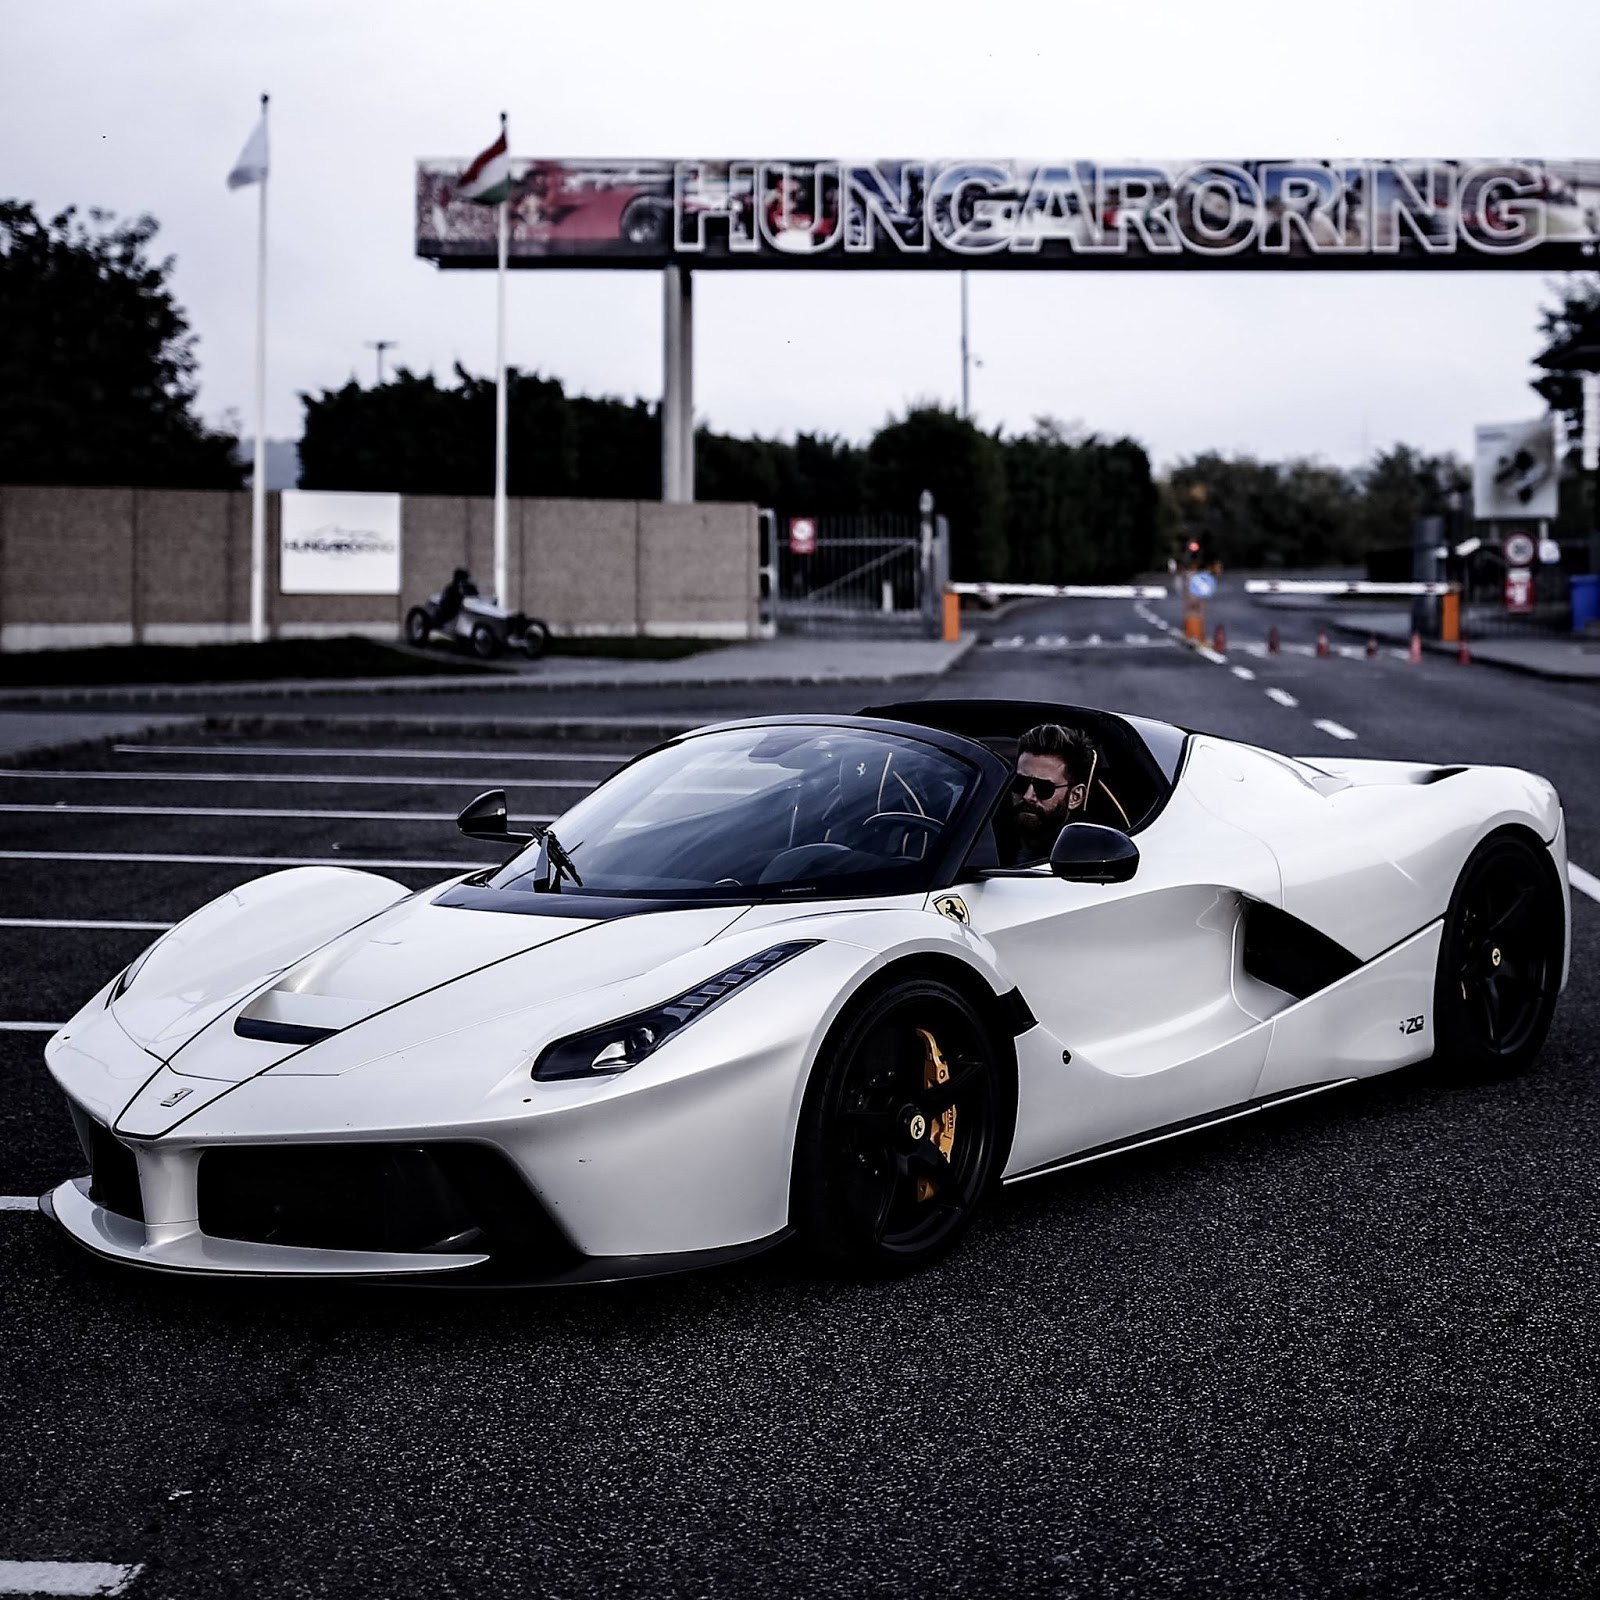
418,626
882,1184
1499,961
485,644
534,639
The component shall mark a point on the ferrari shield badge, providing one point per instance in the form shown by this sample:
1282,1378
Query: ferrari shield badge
954,907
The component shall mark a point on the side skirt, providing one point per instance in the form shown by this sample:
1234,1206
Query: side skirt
1176,1130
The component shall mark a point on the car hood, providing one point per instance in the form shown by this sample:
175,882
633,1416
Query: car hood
420,971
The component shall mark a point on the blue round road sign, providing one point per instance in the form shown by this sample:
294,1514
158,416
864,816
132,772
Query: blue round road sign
1202,585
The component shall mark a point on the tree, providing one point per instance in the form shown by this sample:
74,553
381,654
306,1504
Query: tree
1574,316
97,361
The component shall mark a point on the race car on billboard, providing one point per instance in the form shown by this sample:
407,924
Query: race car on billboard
785,976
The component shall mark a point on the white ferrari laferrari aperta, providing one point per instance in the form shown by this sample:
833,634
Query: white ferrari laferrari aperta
783,976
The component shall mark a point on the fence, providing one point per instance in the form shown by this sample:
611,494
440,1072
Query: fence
854,575
124,566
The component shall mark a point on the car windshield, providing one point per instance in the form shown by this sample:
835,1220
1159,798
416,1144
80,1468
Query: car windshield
760,811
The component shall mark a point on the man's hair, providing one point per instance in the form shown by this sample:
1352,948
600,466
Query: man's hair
1075,749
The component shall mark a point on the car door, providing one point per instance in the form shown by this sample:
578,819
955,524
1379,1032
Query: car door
1146,1015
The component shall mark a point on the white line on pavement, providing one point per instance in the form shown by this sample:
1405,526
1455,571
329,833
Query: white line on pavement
399,781
66,1577
1336,729
1583,882
76,922
63,809
30,1027
1216,657
1245,673
1283,697
302,752
18,1202
356,862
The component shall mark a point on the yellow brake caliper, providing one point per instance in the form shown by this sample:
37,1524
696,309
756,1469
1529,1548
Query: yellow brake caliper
941,1130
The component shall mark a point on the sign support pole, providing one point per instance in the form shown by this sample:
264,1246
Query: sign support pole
502,581
258,479
677,385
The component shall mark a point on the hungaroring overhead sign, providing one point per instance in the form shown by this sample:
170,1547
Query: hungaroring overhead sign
1166,214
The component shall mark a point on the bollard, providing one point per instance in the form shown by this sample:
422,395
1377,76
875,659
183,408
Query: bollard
1372,647
951,617
1322,642
1273,642
1219,640
1414,654
1464,655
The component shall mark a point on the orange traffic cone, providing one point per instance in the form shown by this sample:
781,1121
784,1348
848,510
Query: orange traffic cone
1414,654
1219,640
1273,643
1372,647
1322,642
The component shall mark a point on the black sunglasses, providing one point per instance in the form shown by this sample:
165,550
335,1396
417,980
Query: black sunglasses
1045,788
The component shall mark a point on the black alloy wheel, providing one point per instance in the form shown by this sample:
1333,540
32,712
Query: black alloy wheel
418,625
906,1126
1500,959
485,644
534,639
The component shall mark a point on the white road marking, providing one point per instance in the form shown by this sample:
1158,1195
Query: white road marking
29,1027
1136,638
1094,638
63,809
1583,882
398,781
1283,697
66,1577
18,1202
1214,656
1245,673
1336,729
1015,642
1052,641
357,862
76,922
303,752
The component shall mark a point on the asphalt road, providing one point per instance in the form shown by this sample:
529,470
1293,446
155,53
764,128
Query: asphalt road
1349,1349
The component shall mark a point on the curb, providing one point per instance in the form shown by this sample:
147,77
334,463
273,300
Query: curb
1438,648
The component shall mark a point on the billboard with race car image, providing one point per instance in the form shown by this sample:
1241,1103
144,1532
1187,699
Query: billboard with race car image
1255,214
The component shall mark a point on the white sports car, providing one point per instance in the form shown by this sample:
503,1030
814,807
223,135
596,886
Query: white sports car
772,977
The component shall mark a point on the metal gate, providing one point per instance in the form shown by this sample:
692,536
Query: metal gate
881,574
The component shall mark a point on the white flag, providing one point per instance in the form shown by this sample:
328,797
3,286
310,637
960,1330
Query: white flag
251,167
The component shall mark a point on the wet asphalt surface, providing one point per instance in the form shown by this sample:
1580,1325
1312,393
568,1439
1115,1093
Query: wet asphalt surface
1350,1348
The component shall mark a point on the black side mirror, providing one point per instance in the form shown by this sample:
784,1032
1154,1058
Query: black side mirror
486,818
1087,852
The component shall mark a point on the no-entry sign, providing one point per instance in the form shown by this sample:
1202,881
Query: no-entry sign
802,536
1519,589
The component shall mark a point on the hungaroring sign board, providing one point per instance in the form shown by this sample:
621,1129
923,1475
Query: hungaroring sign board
1257,215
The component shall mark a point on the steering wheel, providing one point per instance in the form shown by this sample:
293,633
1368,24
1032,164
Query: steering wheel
903,819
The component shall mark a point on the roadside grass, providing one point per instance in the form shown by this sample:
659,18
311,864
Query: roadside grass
350,656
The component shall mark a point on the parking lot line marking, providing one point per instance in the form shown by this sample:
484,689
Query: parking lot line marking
66,1577
30,1027
1337,729
246,811
244,861
1245,673
18,1202
1583,882
302,752
76,922
1283,697
398,781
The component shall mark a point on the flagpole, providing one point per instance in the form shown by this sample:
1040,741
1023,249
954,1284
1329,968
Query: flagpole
502,583
258,482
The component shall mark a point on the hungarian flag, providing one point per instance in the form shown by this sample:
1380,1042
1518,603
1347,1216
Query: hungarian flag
488,180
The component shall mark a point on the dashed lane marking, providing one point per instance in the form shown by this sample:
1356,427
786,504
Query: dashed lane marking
1245,673
306,752
64,809
66,1577
1062,641
398,781
1583,882
18,1202
358,862
1336,729
98,924
1283,697
1216,657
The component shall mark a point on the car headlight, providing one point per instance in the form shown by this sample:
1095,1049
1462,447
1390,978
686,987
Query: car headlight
616,1046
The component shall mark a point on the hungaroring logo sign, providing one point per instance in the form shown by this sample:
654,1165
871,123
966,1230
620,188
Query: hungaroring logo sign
1432,214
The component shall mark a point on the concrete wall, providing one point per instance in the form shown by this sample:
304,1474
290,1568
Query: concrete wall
171,566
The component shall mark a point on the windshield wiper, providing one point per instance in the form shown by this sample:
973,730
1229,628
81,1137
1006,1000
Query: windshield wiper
555,861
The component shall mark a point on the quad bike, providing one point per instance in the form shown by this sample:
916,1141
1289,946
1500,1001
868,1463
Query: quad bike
463,616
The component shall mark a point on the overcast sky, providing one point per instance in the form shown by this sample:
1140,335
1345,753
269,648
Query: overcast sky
142,105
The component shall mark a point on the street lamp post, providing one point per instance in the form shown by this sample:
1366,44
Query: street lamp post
380,345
